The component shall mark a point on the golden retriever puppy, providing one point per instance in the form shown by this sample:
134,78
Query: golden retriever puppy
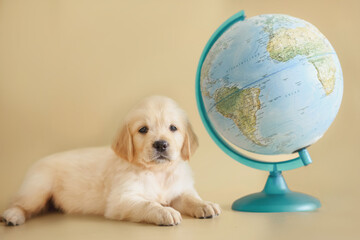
143,177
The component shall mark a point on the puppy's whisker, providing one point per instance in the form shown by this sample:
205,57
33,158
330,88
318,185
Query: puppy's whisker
158,157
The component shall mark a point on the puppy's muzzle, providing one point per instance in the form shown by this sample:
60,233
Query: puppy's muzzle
161,145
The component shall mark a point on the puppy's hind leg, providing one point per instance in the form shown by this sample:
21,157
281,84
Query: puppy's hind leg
31,198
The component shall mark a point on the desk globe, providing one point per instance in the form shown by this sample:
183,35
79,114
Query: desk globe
271,85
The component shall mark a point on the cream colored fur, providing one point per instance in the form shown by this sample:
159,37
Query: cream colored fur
128,181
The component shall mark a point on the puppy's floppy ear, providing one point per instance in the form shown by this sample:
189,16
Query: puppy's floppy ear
190,143
123,145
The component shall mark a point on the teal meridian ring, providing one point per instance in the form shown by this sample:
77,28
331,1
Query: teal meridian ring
304,157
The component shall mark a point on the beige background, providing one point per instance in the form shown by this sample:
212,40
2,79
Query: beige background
71,69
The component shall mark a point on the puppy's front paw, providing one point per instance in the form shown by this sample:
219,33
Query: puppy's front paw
13,217
207,210
167,216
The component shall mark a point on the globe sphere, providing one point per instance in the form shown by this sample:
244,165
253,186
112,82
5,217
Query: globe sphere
271,84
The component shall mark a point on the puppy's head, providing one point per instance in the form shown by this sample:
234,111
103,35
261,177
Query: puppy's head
156,132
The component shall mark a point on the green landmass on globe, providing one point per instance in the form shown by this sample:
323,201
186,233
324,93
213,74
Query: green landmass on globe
241,107
286,44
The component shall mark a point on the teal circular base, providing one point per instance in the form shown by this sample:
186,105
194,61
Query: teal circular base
286,202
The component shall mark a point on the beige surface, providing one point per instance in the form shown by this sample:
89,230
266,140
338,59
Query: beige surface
70,70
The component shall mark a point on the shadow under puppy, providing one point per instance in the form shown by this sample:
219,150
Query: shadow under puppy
143,177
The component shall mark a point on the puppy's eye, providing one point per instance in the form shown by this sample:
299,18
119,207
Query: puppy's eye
143,130
173,128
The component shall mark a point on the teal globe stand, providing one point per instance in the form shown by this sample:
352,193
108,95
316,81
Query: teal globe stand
276,196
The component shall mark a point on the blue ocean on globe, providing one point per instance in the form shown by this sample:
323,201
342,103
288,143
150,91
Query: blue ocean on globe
271,84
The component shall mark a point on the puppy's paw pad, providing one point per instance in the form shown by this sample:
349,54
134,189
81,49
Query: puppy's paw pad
13,217
207,210
10,224
167,216
163,225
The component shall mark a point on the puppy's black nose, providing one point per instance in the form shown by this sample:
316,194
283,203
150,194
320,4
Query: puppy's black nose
160,145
